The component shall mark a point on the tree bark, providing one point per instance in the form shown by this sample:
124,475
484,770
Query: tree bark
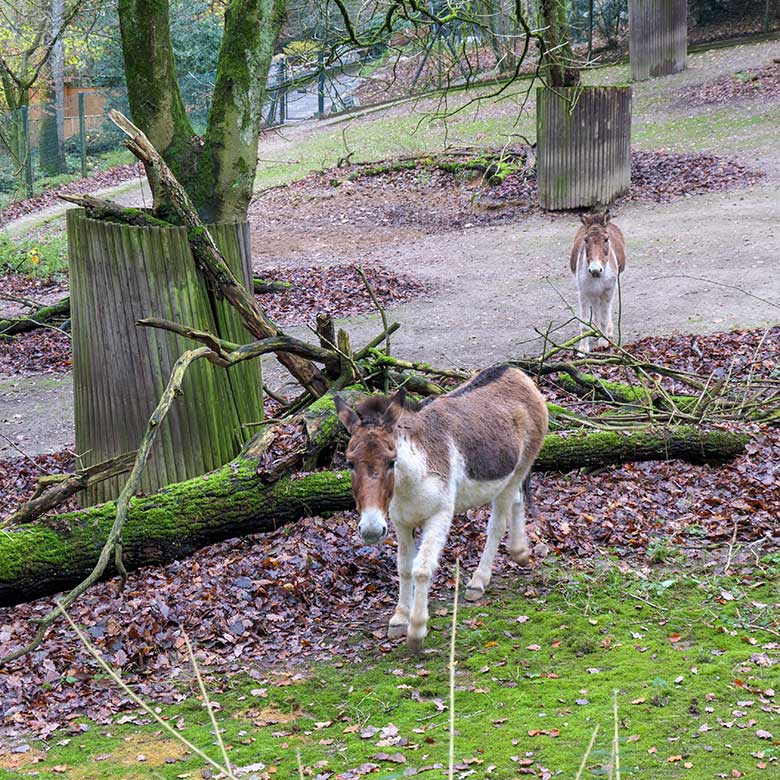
59,551
557,59
218,170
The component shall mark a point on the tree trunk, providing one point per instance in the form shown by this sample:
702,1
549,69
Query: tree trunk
658,37
41,559
58,74
218,170
51,154
558,68
583,145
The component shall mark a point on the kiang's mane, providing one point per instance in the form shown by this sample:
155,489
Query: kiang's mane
373,408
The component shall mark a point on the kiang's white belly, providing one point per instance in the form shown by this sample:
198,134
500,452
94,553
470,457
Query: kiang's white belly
472,493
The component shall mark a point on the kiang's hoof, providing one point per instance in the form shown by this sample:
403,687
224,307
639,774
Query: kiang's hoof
415,643
397,631
523,557
474,594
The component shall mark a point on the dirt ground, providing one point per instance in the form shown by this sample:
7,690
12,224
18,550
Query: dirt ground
497,285
698,264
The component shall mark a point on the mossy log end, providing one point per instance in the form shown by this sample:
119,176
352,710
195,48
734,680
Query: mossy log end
41,559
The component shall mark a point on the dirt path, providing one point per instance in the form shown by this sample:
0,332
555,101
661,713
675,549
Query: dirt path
37,415
494,286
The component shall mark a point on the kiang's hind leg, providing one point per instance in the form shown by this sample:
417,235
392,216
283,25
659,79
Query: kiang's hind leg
501,511
519,550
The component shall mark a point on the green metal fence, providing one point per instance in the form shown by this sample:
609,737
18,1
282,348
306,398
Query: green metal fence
42,144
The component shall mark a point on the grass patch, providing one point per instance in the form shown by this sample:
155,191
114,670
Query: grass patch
39,258
415,128
687,655
709,131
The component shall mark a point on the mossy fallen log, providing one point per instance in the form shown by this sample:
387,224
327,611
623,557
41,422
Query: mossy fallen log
262,286
59,551
612,448
43,316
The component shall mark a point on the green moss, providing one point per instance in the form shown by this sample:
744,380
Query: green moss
669,645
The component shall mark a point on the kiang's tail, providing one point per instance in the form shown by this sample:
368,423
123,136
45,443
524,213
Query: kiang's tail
528,495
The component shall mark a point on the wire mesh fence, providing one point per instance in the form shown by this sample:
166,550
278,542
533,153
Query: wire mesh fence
43,144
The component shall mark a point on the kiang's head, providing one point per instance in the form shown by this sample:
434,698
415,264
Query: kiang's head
371,457
596,242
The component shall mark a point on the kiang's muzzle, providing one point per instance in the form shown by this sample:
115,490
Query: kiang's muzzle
372,526
595,269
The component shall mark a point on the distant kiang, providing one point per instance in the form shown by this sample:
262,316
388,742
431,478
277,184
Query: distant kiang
598,257
419,466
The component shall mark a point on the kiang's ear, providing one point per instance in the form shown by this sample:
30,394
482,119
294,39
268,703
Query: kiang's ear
605,217
394,409
347,415
585,219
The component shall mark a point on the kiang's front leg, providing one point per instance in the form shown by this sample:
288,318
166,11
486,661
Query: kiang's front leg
605,319
426,561
399,623
585,315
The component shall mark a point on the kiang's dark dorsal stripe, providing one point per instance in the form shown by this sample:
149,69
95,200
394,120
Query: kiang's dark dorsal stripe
483,379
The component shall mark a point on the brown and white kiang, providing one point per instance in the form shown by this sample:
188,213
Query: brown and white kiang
419,465
597,259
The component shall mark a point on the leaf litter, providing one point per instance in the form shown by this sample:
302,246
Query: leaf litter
337,290
310,591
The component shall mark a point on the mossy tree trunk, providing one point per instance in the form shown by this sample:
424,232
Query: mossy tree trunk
59,551
218,169
558,68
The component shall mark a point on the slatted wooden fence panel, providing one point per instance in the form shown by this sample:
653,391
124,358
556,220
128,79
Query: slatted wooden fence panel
657,37
583,153
120,274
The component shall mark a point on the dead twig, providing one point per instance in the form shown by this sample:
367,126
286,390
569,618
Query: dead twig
53,489
379,307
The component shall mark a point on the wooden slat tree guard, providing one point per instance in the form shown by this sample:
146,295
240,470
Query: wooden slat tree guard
583,145
657,37
120,274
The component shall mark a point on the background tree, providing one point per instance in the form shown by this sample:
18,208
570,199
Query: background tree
558,68
52,128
